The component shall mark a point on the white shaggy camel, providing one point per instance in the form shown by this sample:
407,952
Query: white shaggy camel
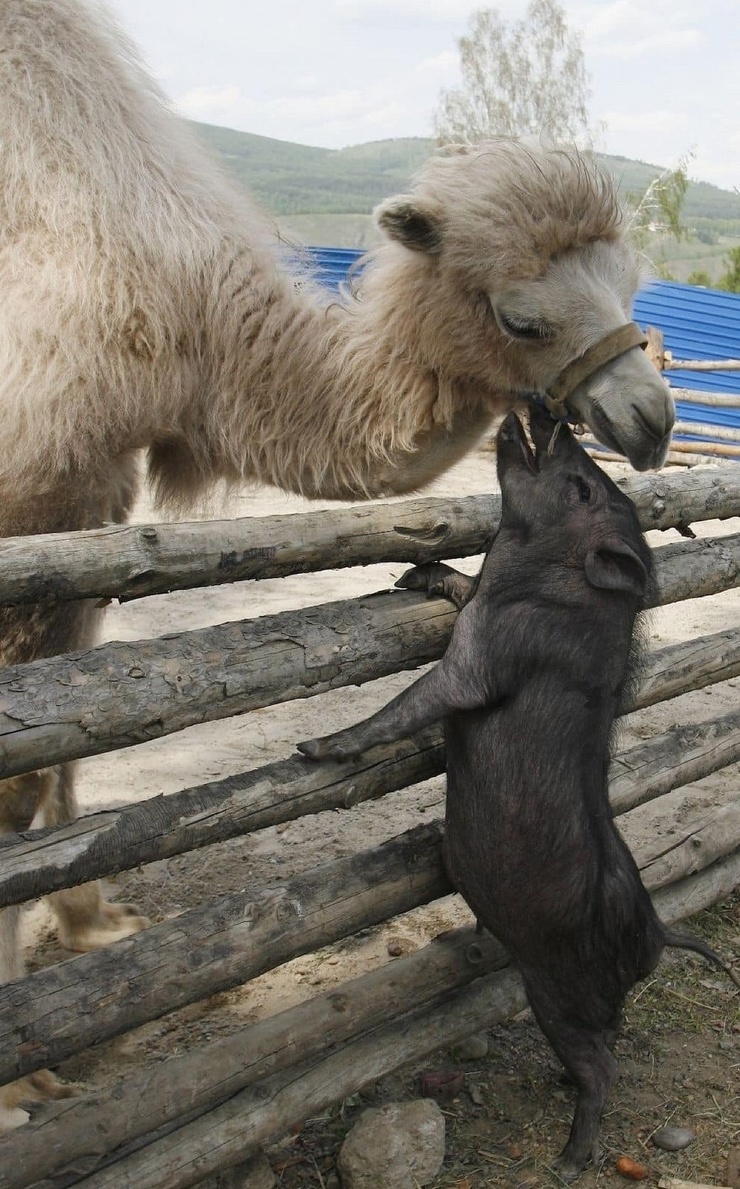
144,304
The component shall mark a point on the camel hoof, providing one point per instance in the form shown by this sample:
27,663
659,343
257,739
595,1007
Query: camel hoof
40,1086
112,923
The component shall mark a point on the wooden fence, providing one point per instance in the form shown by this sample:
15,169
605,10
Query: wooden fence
210,1108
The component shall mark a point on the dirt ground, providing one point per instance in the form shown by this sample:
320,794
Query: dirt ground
507,1114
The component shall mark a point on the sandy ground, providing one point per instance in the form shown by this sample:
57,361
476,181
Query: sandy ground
222,748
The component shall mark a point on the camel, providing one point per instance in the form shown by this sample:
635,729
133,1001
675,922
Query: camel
148,304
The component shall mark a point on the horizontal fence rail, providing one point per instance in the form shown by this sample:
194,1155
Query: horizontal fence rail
704,861
64,1009
137,560
116,840
121,694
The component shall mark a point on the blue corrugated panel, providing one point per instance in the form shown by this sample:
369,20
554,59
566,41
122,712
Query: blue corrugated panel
696,324
333,265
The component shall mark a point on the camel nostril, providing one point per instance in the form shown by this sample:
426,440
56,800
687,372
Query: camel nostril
656,420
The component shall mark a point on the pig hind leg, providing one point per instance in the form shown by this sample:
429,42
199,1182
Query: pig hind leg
586,1054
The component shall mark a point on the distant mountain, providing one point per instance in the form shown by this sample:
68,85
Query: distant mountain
292,179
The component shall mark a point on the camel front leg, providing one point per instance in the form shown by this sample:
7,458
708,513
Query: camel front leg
86,921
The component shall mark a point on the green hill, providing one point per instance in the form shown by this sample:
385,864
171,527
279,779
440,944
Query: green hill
293,179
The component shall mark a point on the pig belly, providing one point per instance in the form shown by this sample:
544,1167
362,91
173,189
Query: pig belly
534,865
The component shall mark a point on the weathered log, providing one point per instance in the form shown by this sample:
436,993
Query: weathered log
679,756
722,433
118,839
67,1007
254,1114
690,665
42,861
705,450
56,1012
283,1100
126,693
692,569
75,1131
84,703
701,365
716,400
672,458
134,561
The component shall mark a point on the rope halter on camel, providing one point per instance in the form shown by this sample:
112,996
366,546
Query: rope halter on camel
611,346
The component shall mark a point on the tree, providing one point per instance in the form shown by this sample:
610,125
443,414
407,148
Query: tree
730,280
699,277
520,79
658,211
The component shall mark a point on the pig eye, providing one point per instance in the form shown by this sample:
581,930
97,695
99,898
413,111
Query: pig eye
584,491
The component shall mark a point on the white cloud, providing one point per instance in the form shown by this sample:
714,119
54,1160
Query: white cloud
655,121
201,101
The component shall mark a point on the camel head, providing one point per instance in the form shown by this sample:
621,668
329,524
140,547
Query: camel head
511,261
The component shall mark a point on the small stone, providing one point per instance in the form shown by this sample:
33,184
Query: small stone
396,1146
476,1097
473,1048
673,1139
397,947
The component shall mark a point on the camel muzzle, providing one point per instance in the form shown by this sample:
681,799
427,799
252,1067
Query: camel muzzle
611,346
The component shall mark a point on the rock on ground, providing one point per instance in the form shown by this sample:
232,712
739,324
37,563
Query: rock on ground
398,1146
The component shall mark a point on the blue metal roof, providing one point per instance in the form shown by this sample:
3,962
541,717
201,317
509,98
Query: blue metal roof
696,324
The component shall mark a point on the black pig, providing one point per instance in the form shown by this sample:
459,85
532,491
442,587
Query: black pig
539,664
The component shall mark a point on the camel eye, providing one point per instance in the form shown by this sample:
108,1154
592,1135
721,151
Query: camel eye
533,330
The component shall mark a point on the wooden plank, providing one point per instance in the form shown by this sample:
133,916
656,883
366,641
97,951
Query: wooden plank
283,1100
129,562
99,844
76,1131
120,694
722,433
66,1008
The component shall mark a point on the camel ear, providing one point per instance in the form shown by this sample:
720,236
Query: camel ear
614,566
416,225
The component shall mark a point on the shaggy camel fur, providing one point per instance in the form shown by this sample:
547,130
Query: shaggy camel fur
145,305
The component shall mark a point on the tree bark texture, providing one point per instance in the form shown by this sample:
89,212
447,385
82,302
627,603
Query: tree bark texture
120,694
266,1098
42,861
61,1010
73,1004
128,562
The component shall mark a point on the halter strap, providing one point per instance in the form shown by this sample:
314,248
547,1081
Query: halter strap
611,346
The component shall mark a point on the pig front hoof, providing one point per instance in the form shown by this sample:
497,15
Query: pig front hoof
313,749
429,576
324,749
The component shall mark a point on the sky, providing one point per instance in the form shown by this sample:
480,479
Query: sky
665,76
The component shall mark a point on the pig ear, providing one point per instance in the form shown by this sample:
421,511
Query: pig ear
614,566
414,223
